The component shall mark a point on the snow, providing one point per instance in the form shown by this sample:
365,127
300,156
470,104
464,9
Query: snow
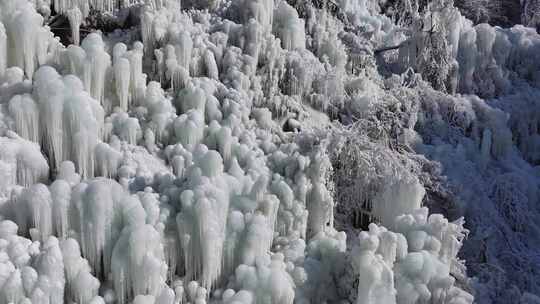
260,151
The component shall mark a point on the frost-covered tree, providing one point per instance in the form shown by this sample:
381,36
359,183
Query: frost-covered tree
530,13
483,11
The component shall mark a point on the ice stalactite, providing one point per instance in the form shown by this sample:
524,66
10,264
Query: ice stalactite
50,267
415,256
137,78
179,77
148,29
3,51
22,36
49,88
201,238
107,160
188,128
83,131
289,27
75,19
61,197
267,280
184,50
257,240
235,229
485,146
425,272
13,288
96,64
81,286
126,128
65,109
33,210
67,172
260,10
26,114
319,201
25,165
94,203
211,65
191,97
130,81
64,6
103,6
94,212
144,271
202,221
293,217
161,111
376,282
122,81
75,60
402,197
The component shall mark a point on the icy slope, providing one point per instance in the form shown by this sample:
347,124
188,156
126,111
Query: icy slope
217,158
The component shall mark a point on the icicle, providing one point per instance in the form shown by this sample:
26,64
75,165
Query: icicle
96,65
96,211
81,285
24,163
375,284
13,289
81,131
212,164
289,27
122,80
48,91
166,297
44,41
131,131
401,197
75,19
137,80
61,198
119,51
66,171
50,265
189,128
224,141
3,51
147,31
191,98
160,65
257,241
36,203
144,299
76,57
144,271
26,114
184,49
211,65
24,29
107,160
179,78
485,147
320,208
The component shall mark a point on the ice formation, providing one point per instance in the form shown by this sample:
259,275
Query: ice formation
261,151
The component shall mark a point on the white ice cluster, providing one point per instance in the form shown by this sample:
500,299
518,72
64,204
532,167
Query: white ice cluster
202,164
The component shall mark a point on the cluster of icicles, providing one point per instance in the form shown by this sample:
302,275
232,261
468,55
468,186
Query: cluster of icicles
116,192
